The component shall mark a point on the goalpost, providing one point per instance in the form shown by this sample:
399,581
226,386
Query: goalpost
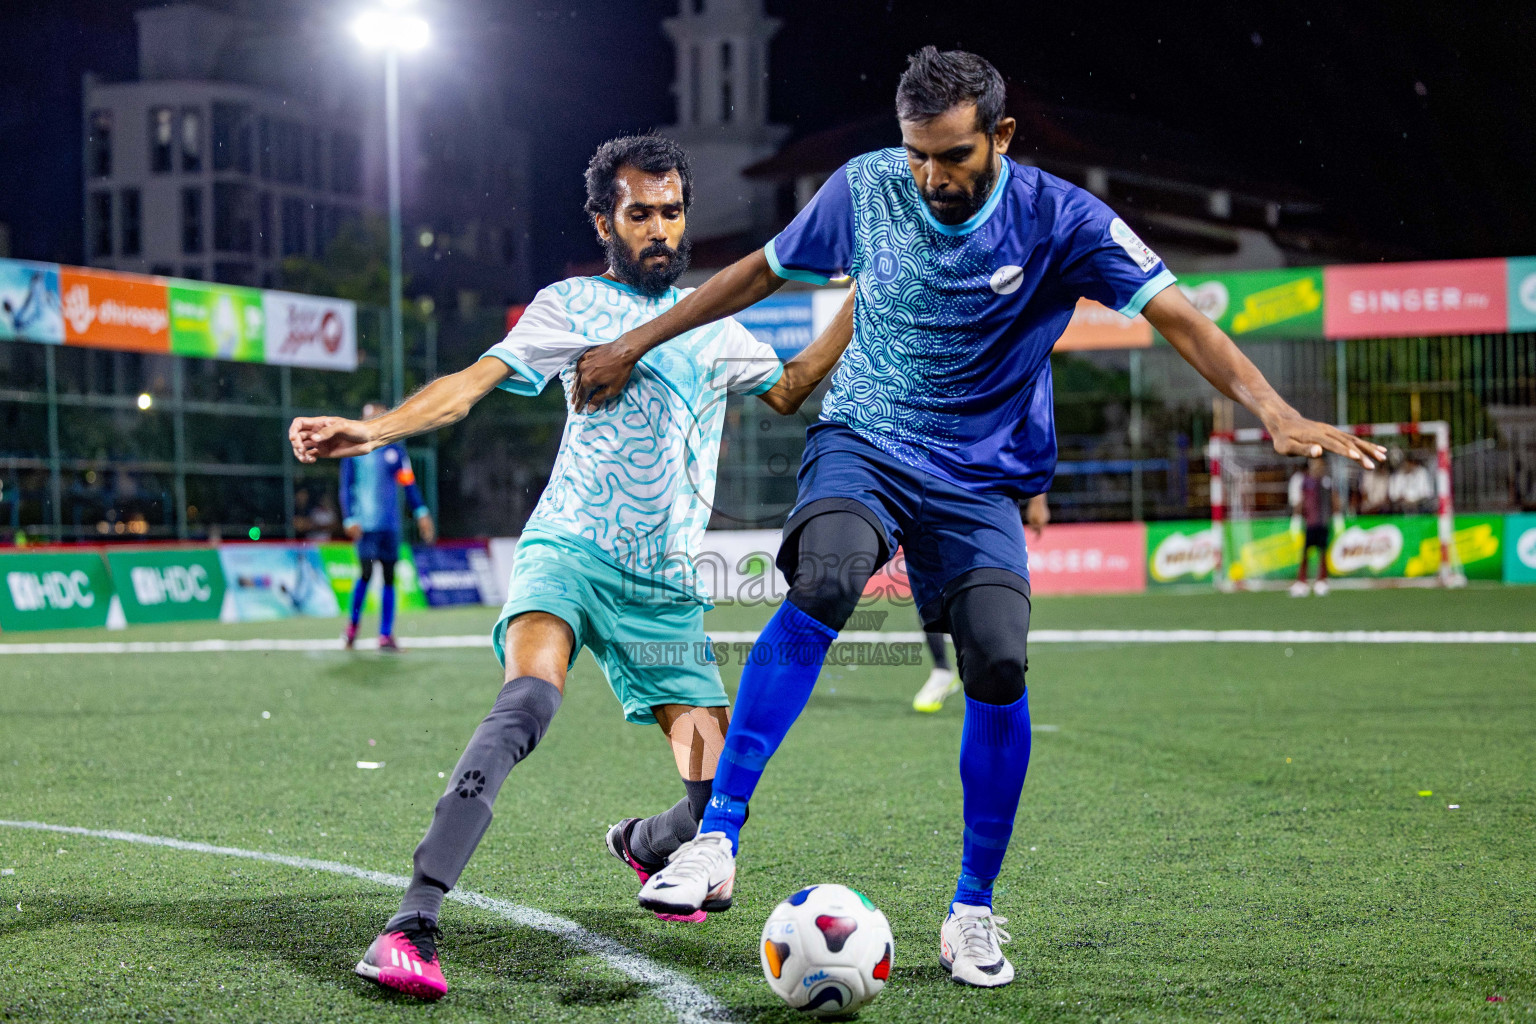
1257,547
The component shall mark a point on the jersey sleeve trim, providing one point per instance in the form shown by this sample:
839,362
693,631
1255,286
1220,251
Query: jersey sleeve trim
768,381
526,382
1145,292
786,273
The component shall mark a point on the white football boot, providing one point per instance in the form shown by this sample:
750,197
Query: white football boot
942,683
1320,588
699,875
970,947
1300,589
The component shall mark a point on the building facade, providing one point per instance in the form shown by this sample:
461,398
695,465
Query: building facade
239,145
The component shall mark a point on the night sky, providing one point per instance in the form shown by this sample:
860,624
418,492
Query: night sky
1412,123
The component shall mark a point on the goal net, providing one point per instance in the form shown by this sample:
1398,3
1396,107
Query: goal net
1388,526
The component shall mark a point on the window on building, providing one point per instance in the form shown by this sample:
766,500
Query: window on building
295,238
727,101
130,240
232,137
101,223
698,6
98,145
234,216
346,163
191,220
288,153
234,273
321,214
695,83
162,136
264,225
191,139
315,166
264,146
192,272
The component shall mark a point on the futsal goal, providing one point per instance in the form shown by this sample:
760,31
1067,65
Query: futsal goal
1394,526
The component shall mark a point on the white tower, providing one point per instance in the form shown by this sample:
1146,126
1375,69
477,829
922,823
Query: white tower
722,111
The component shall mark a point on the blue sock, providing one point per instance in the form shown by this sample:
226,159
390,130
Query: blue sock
359,597
994,755
776,683
387,611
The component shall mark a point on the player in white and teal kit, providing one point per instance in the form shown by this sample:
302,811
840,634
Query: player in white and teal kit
607,559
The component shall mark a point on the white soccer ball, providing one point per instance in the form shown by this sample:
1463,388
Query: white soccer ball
827,950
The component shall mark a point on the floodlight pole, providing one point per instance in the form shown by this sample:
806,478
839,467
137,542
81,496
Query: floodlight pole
396,285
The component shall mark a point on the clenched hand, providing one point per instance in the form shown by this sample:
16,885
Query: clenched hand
329,437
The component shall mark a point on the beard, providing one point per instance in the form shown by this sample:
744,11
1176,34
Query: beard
650,281
951,206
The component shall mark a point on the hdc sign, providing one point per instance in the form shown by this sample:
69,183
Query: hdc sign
167,585
53,591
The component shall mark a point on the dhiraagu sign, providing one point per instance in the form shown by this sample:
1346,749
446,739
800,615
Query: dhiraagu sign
217,322
53,591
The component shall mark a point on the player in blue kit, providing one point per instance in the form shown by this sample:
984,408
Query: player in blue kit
370,514
939,418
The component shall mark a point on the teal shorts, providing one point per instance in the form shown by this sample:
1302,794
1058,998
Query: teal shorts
648,638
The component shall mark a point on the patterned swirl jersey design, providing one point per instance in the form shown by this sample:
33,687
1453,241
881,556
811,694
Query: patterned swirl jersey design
949,367
634,481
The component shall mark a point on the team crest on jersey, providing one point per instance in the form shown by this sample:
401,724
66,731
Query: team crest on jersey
1134,247
884,266
1006,279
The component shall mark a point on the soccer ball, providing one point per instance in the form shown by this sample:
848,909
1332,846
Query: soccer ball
827,951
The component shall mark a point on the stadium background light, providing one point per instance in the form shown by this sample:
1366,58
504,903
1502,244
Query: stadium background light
394,31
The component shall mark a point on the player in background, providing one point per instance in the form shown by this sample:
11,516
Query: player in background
1315,503
942,682
370,515
938,420
607,559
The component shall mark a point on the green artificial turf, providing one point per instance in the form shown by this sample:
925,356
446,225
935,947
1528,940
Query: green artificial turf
1211,832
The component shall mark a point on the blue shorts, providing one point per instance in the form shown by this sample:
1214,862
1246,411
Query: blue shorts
378,546
648,638
953,538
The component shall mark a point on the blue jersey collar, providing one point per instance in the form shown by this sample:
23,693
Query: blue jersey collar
981,215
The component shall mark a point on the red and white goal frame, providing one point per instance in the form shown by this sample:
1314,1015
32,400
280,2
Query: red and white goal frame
1439,431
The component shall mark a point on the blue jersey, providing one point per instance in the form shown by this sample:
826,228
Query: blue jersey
370,489
949,367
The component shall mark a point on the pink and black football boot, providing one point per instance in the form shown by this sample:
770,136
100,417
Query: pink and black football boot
387,643
406,961
618,845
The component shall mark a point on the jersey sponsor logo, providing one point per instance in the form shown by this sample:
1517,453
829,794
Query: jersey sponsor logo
884,266
1006,279
1134,247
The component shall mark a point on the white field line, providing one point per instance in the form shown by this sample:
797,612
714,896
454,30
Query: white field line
689,1003
1037,636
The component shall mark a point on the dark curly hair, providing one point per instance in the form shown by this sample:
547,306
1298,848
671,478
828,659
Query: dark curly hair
936,81
653,154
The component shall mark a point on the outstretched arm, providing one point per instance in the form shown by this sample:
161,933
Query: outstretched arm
1208,349
811,364
602,371
441,403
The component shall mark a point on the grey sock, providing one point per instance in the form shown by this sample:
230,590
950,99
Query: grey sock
653,839
518,720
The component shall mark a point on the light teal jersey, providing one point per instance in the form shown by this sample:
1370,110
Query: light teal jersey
634,482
